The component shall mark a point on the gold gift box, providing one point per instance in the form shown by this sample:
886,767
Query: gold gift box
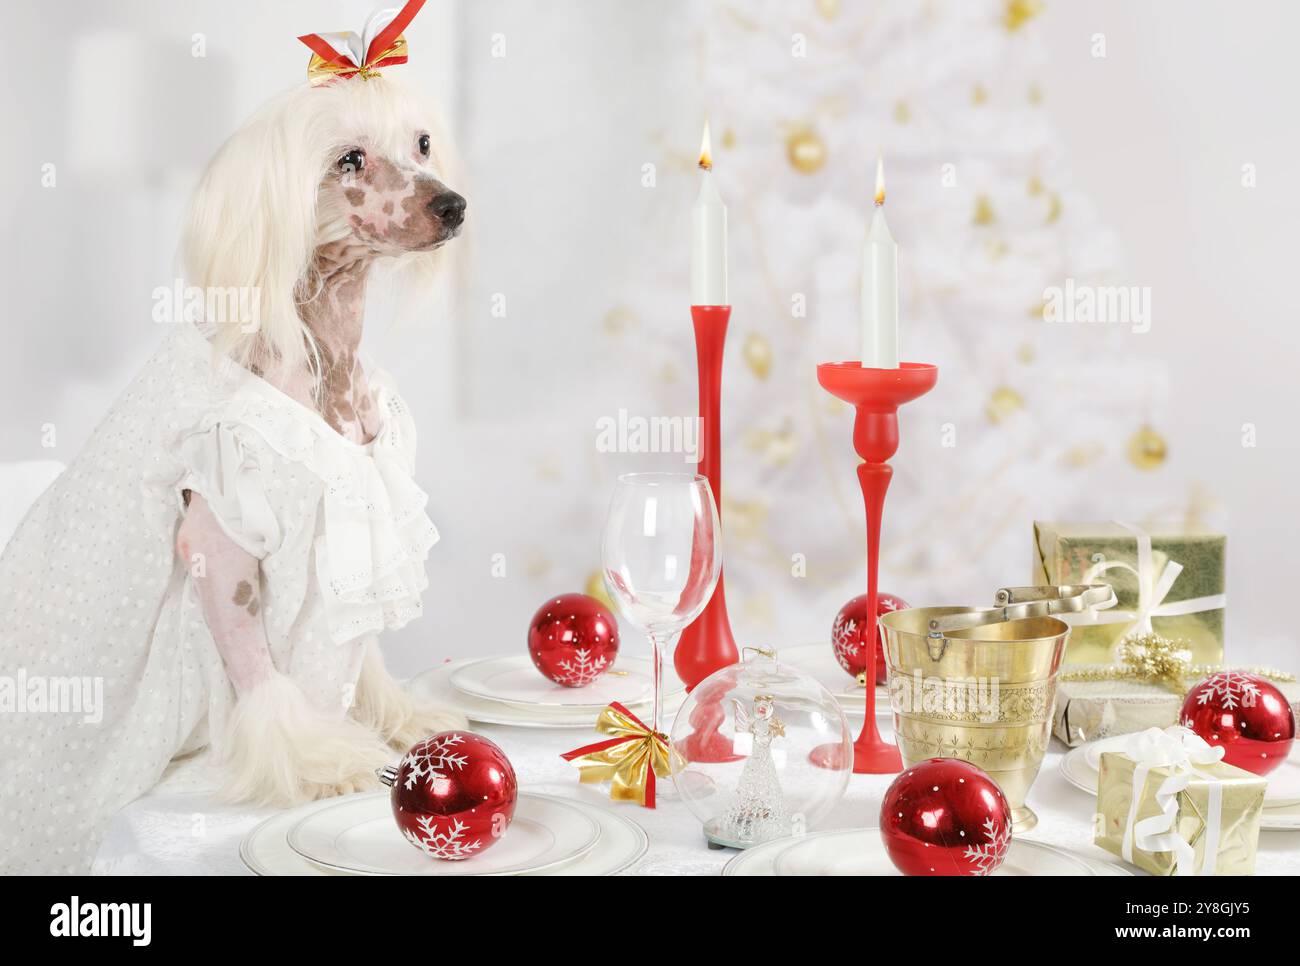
1242,803
1091,710
1065,552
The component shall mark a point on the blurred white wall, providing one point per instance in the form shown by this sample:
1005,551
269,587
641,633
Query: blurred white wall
554,135
1159,131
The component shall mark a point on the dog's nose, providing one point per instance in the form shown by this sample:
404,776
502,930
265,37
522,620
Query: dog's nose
449,207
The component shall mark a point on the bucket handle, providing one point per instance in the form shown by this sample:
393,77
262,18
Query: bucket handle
1019,603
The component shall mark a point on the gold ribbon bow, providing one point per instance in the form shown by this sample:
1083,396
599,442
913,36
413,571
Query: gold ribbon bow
1156,659
629,759
342,55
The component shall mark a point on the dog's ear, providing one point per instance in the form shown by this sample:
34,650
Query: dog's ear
251,229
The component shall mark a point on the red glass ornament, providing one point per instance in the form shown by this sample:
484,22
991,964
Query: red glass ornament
945,817
453,795
851,623
573,639
1245,715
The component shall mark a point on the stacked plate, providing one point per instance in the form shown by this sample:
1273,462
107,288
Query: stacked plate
1082,768
510,691
860,851
819,661
356,835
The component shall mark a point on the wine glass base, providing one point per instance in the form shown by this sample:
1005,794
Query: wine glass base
874,758
713,748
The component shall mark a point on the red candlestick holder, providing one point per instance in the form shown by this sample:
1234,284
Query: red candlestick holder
876,395
707,644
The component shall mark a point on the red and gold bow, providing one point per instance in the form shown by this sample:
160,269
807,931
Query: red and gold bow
340,55
629,760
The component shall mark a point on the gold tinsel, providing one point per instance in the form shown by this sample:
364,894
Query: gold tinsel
1147,449
1157,659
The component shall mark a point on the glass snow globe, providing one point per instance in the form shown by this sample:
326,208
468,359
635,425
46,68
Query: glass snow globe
741,744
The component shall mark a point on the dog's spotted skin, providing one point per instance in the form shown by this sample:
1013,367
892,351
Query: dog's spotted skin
386,210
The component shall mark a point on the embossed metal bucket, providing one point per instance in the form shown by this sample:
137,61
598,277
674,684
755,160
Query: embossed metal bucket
979,683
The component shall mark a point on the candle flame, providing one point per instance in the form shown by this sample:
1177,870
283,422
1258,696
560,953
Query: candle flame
706,150
880,181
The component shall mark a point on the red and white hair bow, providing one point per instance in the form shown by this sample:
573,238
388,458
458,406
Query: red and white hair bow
345,54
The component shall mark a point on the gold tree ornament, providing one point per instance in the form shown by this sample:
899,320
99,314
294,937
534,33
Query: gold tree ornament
1020,12
757,352
1147,449
829,9
1003,403
596,588
805,149
618,320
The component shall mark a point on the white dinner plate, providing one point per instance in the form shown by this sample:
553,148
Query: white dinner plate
1081,767
515,681
860,851
435,685
819,661
265,850
357,834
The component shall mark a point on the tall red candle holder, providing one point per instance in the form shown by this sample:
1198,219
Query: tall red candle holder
707,644
876,395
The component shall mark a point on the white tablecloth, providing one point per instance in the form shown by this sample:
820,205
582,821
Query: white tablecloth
180,830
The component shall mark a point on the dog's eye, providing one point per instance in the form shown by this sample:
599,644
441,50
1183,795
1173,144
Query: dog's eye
353,161
424,144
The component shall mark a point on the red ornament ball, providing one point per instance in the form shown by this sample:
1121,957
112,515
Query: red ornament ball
453,795
1245,715
945,817
851,624
573,639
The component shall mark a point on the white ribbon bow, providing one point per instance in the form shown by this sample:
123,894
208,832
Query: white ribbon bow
1181,750
1153,588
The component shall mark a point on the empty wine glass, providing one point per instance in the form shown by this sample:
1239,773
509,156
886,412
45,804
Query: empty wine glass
661,553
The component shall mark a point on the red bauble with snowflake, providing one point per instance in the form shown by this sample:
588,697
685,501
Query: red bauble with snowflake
945,817
1245,715
453,795
851,624
573,639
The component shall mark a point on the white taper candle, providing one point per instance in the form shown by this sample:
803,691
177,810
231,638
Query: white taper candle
708,236
880,288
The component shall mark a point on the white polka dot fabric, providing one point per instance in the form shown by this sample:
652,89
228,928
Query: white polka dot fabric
93,595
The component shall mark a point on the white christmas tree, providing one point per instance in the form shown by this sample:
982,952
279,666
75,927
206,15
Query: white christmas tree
1029,419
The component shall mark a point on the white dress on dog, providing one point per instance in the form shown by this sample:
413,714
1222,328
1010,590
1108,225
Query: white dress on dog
92,592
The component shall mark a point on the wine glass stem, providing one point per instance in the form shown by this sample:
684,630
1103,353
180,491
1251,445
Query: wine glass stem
657,658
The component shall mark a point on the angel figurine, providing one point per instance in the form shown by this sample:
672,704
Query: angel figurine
758,811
